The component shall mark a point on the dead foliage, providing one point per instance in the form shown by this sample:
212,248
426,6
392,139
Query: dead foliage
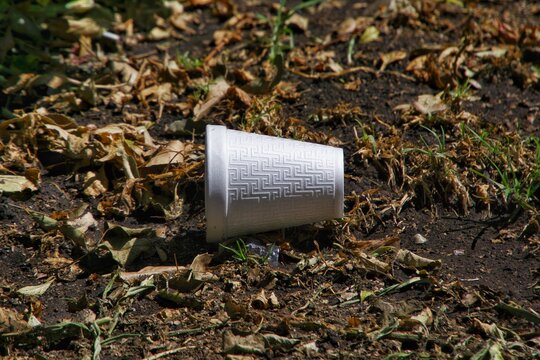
101,177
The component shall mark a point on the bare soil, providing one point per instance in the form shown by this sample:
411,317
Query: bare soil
489,255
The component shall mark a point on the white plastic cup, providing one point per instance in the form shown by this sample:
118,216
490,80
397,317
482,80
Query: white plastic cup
256,183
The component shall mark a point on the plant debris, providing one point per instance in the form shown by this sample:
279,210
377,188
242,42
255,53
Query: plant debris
103,107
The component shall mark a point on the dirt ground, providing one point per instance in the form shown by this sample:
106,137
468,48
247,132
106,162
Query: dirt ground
436,105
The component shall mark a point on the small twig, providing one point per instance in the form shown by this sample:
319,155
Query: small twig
169,352
347,303
321,256
144,55
309,302
260,326
332,75
366,69
97,86
198,330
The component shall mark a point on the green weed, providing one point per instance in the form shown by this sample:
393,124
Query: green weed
350,50
461,91
517,178
367,138
188,62
438,153
280,28
201,91
240,251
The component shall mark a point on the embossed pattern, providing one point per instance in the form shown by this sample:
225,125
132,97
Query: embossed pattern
266,169
276,183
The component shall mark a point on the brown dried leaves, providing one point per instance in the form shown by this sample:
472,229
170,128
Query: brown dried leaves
130,150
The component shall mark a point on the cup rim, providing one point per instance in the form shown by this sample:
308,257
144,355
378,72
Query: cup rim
339,182
216,180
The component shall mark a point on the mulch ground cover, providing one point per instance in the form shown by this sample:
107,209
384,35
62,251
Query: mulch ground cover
102,230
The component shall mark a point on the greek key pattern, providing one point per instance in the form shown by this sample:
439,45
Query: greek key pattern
267,169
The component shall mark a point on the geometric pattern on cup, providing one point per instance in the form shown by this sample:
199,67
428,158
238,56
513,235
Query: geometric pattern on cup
263,168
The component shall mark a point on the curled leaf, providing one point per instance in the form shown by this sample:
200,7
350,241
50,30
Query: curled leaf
36,290
11,321
429,104
410,260
369,35
127,244
251,344
282,343
216,93
14,184
170,154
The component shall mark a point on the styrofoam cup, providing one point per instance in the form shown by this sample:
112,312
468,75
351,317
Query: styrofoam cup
256,183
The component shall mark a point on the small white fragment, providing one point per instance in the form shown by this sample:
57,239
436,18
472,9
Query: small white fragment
310,349
419,239
459,252
111,36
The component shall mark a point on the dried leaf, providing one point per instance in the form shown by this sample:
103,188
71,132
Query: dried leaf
369,35
45,222
490,330
33,321
364,294
239,94
298,22
425,318
495,52
307,263
170,154
216,93
391,57
310,349
429,104
199,268
127,73
14,184
491,351
410,260
280,343
95,184
201,2
235,310
150,270
260,301
367,246
273,300
519,312
80,6
186,281
372,264
403,285
73,233
36,290
83,222
251,344
76,229
420,239
11,321
158,33
127,244
86,26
